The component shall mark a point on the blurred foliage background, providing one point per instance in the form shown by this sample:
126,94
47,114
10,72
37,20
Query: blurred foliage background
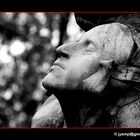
27,50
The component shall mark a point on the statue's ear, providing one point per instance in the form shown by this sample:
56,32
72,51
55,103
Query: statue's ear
97,81
106,64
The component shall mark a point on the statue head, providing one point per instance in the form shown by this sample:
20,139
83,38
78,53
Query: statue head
105,59
91,62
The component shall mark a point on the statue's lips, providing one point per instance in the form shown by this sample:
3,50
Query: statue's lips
57,64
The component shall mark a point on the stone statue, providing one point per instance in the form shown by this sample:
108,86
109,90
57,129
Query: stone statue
95,82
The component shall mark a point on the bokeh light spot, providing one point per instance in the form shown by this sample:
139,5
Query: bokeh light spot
17,48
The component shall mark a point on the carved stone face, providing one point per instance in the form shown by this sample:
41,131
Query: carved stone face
78,65
76,62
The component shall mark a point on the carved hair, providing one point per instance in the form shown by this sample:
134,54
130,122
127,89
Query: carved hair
120,45
117,42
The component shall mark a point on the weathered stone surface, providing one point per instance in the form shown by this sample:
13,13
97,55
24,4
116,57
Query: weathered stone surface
129,116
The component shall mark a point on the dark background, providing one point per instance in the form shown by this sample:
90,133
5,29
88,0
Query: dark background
56,6
69,5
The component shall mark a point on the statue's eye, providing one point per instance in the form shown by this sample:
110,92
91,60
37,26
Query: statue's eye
87,42
89,46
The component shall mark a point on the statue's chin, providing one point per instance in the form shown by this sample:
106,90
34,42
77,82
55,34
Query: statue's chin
49,81
52,85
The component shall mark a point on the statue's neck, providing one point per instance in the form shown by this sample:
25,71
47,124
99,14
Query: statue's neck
83,109
79,107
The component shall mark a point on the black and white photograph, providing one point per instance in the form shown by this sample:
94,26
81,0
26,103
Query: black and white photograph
77,70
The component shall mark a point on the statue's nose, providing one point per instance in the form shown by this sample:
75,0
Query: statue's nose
65,50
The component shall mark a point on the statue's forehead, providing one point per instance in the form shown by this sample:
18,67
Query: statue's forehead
100,32
93,34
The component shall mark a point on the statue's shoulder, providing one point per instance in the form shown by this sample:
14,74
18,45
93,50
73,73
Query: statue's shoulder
126,112
49,114
128,115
